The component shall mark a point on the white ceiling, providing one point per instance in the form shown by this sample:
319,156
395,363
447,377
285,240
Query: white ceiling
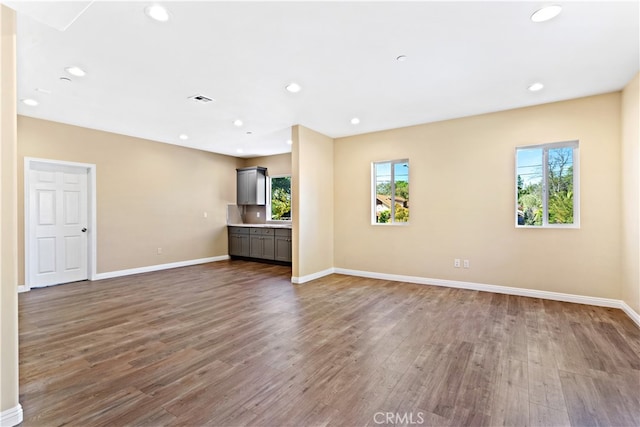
462,59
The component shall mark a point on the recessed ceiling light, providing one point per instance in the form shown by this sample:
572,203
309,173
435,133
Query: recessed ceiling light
30,102
546,13
237,122
355,121
536,87
249,132
289,141
401,58
76,71
157,13
65,79
293,87
240,151
183,136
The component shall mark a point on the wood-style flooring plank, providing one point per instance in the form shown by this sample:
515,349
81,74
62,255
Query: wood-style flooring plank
234,343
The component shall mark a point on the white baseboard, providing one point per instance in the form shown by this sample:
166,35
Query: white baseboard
11,417
310,277
631,313
533,293
158,267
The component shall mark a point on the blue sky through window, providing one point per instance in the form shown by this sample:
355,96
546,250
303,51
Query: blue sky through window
401,172
383,172
530,165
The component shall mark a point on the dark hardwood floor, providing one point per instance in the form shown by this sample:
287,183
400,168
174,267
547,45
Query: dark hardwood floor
235,343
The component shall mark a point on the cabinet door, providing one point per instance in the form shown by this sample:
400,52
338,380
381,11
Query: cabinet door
238,244
243,240
255,246
238,241
283,248
234,244
268,247
244,189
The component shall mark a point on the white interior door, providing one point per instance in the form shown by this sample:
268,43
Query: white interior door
58,214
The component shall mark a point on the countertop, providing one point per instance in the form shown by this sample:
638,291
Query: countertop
261,225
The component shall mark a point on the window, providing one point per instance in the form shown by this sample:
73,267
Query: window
390,192
279,206
547,185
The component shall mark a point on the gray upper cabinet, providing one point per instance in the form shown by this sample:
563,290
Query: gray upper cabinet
252,186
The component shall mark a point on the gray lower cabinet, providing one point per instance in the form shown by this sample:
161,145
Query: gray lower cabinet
261,243
239,241
282,245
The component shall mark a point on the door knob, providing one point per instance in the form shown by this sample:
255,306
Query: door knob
84,230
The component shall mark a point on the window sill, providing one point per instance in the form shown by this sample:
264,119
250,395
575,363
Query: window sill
550,227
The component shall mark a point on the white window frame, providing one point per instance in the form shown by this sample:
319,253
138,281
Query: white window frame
575,145
268,213
374,193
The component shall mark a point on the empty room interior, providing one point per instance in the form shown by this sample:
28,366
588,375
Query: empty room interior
320,213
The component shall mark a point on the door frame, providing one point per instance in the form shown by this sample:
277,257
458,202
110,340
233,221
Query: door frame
32,163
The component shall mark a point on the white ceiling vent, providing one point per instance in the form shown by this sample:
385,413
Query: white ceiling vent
201,99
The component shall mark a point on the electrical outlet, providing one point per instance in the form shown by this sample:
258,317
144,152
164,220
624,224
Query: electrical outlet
159,251
257,214
456,263
205,215
465,264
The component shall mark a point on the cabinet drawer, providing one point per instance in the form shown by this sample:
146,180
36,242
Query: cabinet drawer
238,230
262,231
283,232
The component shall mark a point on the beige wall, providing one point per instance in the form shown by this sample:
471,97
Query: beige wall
462,201
631,194
279,164
312,181
149,195
8,216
